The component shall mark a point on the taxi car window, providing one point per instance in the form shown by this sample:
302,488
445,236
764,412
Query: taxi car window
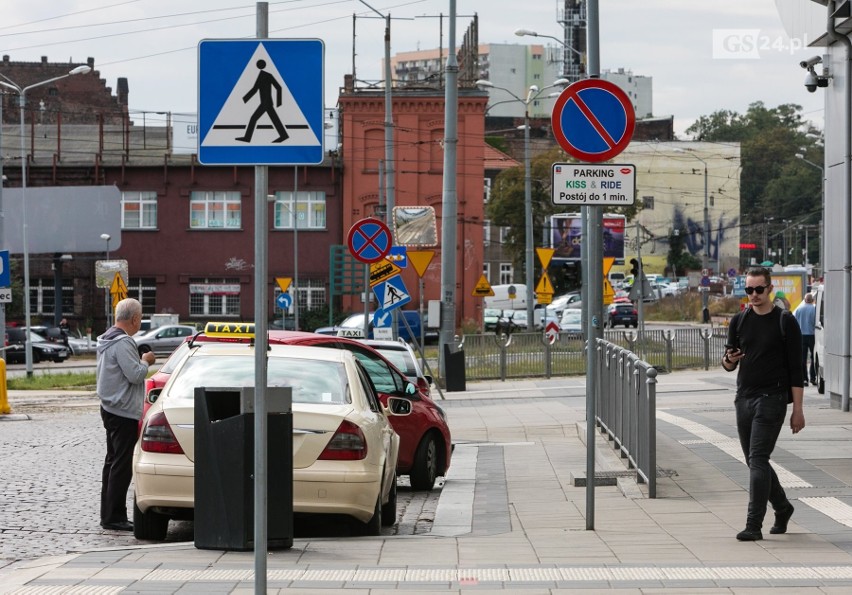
382,376
313,381
369,388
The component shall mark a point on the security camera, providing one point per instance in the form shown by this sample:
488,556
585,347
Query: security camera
810,62
811,81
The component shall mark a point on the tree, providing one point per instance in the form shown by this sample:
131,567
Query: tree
774,181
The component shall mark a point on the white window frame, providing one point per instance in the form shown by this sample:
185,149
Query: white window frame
204,300
145,203
310,207
507,273
216,210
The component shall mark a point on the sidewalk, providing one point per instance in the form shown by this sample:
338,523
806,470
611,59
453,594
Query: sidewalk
510,518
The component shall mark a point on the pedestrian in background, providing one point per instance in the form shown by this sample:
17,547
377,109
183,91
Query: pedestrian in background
806,317
121,377
766,346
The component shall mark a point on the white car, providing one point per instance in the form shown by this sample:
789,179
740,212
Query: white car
401,355
344,448
571,321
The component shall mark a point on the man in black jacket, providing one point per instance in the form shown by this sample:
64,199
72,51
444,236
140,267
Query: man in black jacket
767,347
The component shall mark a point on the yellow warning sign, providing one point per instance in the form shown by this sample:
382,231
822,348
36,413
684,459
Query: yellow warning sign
544,287
544,255
118,290
544,298
420,260
483,288
382,271
283,283
608,291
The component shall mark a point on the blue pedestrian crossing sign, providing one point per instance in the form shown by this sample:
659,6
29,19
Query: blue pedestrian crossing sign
260,101
391,294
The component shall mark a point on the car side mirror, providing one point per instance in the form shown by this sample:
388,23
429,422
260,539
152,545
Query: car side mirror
428,378
153,395
398,406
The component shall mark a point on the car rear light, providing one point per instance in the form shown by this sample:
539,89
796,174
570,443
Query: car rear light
347,444
158,436
635,313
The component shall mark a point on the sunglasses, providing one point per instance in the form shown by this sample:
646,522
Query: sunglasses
758,289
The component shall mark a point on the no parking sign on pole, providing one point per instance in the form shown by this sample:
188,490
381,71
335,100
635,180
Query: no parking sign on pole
593,120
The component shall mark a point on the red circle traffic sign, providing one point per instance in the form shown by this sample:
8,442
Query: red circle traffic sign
369,240
593,120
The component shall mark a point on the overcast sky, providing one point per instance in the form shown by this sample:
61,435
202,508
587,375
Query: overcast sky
703,56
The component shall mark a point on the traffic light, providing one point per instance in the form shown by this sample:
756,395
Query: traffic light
634,268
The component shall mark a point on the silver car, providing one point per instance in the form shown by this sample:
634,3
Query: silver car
163,339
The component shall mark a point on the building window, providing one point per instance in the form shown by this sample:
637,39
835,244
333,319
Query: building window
487,190
138,210
214,210
486,232
504,235
537,77
42,298
506,272
486,270
311,295
310,210
648,202
144,289
214,297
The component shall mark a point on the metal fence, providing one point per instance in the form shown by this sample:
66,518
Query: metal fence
530,355
626,405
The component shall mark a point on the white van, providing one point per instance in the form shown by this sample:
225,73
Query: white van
501,298
819,338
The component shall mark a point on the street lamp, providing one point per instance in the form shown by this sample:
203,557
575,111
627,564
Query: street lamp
532,93
705,312
106,237
565,47
822,201
22,96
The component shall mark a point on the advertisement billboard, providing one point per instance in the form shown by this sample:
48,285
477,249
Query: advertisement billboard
566,236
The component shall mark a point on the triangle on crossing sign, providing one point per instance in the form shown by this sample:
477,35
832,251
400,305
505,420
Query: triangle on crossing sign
483,288
544,285
395,295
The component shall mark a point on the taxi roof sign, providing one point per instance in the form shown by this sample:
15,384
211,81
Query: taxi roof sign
243,330
483,288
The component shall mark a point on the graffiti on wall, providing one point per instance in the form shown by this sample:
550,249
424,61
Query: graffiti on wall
694,241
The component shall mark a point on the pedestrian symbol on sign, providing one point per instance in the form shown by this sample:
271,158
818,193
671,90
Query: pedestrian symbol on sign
263,88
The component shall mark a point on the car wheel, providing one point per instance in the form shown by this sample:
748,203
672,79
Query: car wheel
373,527
389,509
143,349
425,468
149,525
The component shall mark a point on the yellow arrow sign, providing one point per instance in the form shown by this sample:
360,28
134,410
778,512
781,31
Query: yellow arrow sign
544,255
420,260
283,283
483,288
544,286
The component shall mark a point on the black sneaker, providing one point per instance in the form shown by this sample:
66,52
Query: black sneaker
782,517
749,535
805,383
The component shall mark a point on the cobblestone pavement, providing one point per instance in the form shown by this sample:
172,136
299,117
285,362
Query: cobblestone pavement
50,489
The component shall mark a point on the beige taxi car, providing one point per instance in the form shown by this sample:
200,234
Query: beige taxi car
344,449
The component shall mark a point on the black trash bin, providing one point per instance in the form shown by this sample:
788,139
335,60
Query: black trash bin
224,469
454,369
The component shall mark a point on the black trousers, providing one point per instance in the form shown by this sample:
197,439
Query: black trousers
808,345
759,422
121,435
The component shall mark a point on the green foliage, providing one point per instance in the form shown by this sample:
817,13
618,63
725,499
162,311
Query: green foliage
679,260
774,183
65,380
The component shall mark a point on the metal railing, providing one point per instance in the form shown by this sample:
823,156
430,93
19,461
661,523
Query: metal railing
530,355
626,406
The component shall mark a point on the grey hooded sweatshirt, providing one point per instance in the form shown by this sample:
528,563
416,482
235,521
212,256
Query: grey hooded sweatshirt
121,374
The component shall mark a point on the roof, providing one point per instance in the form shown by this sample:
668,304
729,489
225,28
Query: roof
496,159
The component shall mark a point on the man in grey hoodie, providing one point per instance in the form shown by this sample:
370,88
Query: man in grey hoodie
121,388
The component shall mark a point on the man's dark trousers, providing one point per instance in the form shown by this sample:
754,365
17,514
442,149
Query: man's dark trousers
808,343
118,466
759,422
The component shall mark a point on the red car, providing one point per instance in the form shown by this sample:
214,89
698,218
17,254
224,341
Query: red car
425,446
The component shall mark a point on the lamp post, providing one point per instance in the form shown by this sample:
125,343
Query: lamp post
22,96
532,93
822,201
705,259
565,48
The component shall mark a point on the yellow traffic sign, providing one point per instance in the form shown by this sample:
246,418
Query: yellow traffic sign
544,255
420,260
608,291
544,298
382,271
118,290
483,288
544,287
283,283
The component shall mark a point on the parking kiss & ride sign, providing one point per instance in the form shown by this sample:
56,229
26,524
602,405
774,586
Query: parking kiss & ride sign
589,185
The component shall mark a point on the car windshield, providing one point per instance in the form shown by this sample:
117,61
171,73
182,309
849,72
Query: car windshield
354,321
313,381
571,316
